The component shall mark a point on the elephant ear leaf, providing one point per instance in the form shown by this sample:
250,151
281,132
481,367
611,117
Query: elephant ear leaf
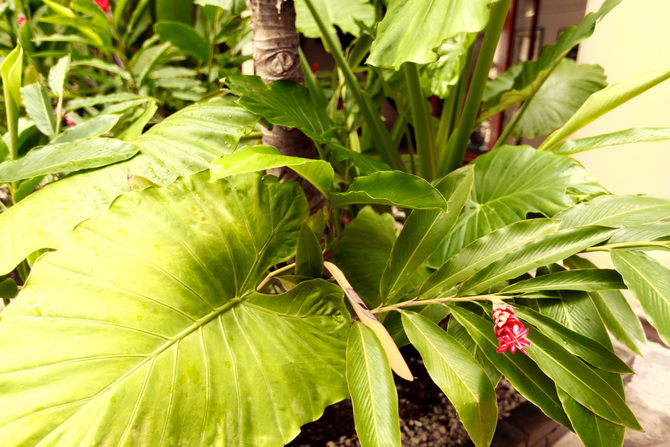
145,328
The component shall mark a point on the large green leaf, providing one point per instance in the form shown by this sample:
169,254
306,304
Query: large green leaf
258,158
650,283
373,393
445,72
345,14
553,248
614,311
458,375
580,345
522,81
185,37
559,97
412,29
512,182
605,100
423,231
391,188
182,144
587,280
486,250
155,334
38,105
616,210
67,157
592,430
284,103
520,370
579,380
364,268
634,135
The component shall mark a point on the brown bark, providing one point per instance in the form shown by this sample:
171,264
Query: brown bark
276,57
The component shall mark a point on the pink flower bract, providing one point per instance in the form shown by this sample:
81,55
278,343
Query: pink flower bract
509,329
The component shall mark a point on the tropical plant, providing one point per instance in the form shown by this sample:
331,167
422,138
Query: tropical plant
187,299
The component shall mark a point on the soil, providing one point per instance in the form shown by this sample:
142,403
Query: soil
427,418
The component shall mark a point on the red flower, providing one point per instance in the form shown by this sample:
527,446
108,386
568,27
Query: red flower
21,20
69,120
510,331
104,4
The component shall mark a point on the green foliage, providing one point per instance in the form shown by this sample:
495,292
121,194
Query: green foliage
185,302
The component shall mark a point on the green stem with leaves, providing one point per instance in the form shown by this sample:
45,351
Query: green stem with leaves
452,157
450,299
371,116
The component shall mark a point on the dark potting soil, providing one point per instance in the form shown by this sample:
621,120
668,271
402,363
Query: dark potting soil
427,418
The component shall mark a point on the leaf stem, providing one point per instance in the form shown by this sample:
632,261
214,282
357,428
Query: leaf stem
450,299
511,125
373,120
272,274
452,157
423,129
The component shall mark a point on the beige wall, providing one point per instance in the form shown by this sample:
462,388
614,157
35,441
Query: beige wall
633,38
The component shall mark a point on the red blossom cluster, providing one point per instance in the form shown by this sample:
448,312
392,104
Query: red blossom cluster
510,331
104,4
21,19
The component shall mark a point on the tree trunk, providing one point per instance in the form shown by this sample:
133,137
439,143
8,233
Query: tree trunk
276,57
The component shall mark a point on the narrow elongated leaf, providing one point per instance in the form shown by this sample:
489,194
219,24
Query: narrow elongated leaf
512,182
92,128
184,37
614,311
308,259
580,381
553,248
423,231
57,75
522,81
559,97
284,103
373,393
520,370
366,317
460,334
634,135
484,251
155,333
67,157
616,210
344,14
605,100
587,280
391,188
364,269
38,106
592,430
102,99
12,70
182,144
8,288
458,375
411,30
650,283
580,345
258,158
140,119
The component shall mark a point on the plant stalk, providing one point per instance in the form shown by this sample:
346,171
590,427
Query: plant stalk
423,129
452,157
511,125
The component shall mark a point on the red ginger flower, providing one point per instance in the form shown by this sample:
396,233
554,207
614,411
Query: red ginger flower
104,4
21,20
510,331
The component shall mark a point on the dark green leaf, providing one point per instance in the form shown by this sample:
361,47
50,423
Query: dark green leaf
8,288
587,280
592,430
308,259
520,370
185,37
364,269
423,231
373,393
458,375
553,248
391,188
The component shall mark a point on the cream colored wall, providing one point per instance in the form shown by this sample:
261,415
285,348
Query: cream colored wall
633,38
